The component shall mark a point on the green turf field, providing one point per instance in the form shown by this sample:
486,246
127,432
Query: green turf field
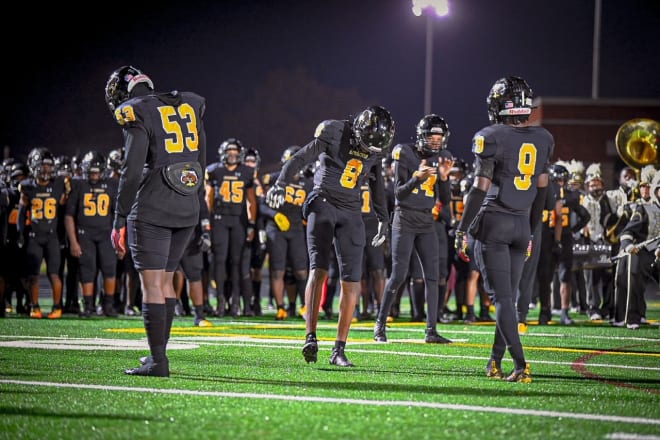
246,379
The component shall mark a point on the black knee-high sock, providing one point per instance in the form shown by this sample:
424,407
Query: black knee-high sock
300,289
170,304
154,324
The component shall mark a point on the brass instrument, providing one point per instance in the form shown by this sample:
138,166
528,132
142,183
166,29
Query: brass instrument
637,145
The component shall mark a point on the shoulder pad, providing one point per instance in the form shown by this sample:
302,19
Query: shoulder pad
396,151
482,140
330,131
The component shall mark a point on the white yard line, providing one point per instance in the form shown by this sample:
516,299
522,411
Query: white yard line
332,400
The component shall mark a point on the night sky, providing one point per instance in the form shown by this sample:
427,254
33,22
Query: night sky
271,70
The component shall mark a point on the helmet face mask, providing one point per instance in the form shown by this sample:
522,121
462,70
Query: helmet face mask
93,165
509,101
428,132
121,83
374,130
230,151
559,173
41,163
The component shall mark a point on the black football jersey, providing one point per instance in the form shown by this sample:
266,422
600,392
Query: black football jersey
519,154
412,193
296,193
229,188
92,205
173,124
44,204
342,170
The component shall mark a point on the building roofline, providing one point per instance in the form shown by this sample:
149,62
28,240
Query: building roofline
609,102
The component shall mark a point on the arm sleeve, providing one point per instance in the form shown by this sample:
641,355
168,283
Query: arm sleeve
537,207
473,203
377,187
405,180
307,154
136,144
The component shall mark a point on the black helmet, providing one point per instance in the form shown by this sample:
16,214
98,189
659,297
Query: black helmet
288,152
41,163
92,162
558,172
509,101
121,82
252,154
374,129
114,160
17,172
63,166
427,126
229,145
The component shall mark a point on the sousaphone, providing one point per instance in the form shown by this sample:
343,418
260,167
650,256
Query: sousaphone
637,143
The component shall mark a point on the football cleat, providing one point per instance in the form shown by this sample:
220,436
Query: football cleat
160,369
146,360
522,328
566,320
432,337
131,311
311,349
339,359
470,318
379,332
303,312
633,326
282,314
494,370
203,323
35,313
523,376
56,313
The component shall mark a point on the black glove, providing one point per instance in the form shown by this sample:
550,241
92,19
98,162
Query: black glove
557,248
275,196
204,242
381,235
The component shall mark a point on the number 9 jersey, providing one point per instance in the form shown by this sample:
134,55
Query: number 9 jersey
512,157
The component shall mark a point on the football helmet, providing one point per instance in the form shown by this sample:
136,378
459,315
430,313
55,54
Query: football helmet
558,172
41,163
374,130
121,82
114,160
230,144
509,101
18,172
427,126
92,162
63,166
288,153
252,154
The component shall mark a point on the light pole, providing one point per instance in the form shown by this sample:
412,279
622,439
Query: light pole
432,9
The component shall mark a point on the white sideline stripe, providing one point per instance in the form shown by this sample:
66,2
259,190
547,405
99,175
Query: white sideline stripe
406,403
630,436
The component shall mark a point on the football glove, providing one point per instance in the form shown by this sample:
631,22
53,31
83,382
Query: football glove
204,242
118,238
557,248
381,235
275,196
20,241
461,245
528,252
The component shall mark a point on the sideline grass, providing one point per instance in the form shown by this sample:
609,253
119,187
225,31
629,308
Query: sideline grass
245,378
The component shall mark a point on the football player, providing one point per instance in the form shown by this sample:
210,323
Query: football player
43,196
347,151
503,207
88,222
161,180
421,175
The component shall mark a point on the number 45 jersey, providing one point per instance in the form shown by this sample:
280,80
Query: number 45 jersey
516,156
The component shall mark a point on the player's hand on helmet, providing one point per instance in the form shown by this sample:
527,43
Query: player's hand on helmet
461,245
381,235
275,196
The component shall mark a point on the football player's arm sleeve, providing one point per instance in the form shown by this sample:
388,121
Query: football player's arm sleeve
22,214
377,187
483,172
307,154
136,144
444,191
583,218
405,180
536,213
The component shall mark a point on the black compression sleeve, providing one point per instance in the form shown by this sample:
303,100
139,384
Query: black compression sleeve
537,207
472,205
